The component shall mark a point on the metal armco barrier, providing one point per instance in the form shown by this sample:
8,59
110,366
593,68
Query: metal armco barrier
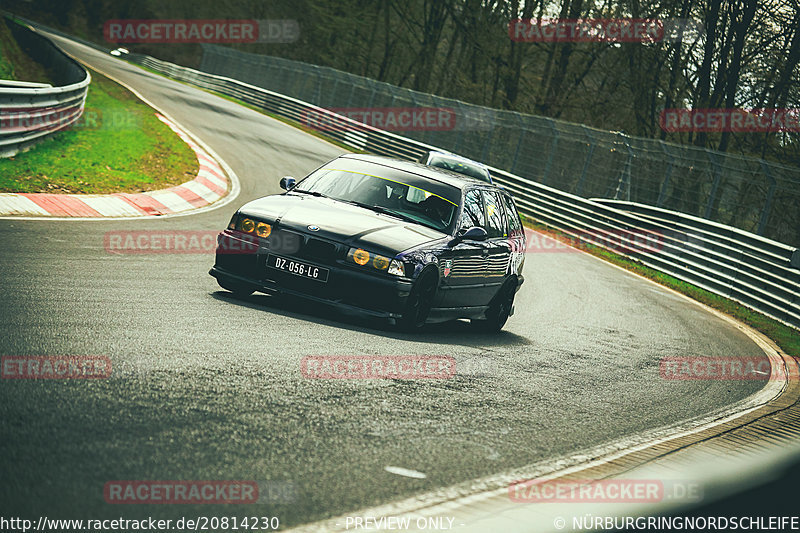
755,271
31,111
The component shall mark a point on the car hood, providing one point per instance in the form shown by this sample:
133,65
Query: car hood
338,221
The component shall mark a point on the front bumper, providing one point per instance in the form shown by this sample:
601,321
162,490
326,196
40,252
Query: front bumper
347,288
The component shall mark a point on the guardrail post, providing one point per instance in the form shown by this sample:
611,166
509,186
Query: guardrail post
461,126
332,93
553,147
762,223
662,194
318,89
624,183
714,186
350,96
423,135
486,143
582,179
519,143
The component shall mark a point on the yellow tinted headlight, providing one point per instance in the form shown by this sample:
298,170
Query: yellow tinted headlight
247,225
361,256
263,230
380,262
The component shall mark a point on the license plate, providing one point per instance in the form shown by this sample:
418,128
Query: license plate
298,268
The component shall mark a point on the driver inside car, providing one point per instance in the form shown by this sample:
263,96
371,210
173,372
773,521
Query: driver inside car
372,192
437,209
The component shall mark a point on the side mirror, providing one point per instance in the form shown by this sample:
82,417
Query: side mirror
288,183
474,233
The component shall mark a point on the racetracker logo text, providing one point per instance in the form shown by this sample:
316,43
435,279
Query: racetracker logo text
384,118
622,241
587,30
56,367
732,120
722,369
621,30
178,242
178,492
604,491
201,31
378,367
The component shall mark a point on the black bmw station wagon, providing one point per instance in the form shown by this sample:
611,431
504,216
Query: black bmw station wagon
382,237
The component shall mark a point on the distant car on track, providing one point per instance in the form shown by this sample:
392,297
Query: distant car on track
382,237
456,163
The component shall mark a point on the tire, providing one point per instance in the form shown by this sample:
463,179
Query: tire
238,289
499,310
419,303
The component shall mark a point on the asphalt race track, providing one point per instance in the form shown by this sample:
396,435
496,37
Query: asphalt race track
208,387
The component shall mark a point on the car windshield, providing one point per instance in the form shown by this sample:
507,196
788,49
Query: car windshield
386,196
459,166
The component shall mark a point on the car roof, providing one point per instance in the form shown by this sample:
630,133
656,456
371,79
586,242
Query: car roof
454,179
461,158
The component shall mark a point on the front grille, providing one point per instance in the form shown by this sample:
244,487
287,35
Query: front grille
318,250
285,242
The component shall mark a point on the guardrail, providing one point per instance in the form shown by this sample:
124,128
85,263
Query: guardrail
755,271
31,111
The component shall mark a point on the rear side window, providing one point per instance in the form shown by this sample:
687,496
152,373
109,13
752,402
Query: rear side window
472,214
514,223
495,215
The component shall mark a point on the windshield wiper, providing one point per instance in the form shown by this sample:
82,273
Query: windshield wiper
312,193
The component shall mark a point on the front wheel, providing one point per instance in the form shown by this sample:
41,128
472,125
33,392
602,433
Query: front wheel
238,289
499,310
419,303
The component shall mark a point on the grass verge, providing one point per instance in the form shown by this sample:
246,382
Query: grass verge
784,336
118,145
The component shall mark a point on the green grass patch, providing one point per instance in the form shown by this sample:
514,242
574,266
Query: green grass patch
784,336
15,64
119,145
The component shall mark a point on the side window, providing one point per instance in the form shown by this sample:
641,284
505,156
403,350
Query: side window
514,224
494,215
472,214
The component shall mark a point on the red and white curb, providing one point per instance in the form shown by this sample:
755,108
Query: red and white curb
210,185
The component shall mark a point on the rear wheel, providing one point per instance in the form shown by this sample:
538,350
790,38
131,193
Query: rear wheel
238,289
419,303
499,310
